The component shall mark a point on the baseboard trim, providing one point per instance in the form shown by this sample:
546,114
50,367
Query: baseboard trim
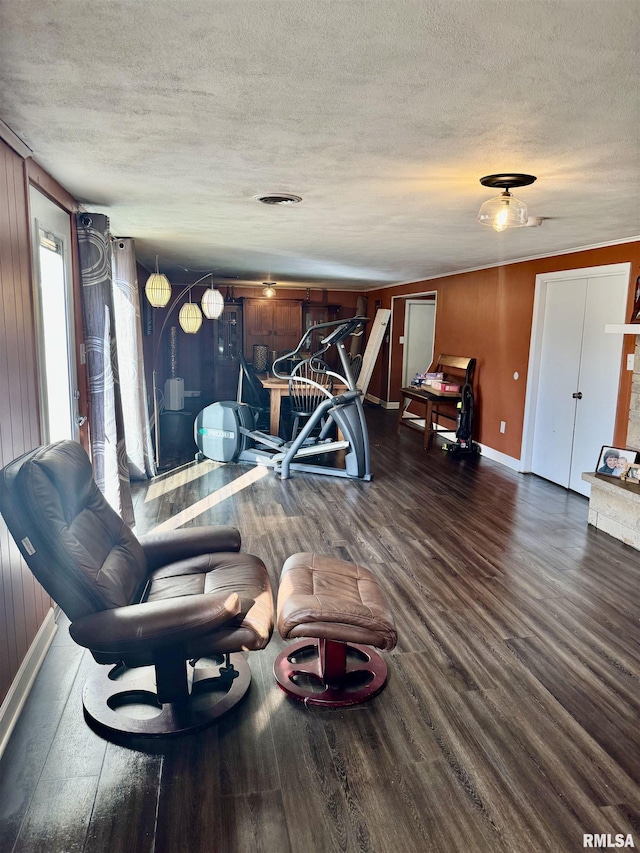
502,458
384,404
23,682
444,432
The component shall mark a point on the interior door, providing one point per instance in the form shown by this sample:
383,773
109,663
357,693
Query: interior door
419,326
579,376
599,377
559,371
51,246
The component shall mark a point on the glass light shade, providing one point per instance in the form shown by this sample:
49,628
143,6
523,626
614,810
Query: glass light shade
503,212
212,304
158,289
190,318
269,291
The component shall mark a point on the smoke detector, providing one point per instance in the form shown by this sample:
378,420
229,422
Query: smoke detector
278,198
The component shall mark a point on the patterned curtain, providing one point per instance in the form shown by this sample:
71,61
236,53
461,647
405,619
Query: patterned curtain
133,390
108,452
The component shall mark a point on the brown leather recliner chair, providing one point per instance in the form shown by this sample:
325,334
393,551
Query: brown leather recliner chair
157,602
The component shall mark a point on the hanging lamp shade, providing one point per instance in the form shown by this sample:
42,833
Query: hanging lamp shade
269,290
157,288
504,211
212,303
190,318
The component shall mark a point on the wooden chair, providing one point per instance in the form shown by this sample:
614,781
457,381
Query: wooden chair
356,366
308,387
457,369
250,391
437,404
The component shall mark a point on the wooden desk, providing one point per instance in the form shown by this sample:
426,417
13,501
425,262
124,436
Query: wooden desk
279,388
427,397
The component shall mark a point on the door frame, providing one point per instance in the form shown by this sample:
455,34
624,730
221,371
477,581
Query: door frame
46,213
535,347
392,320
407,312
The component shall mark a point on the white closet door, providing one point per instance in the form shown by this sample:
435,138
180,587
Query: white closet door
559,372
579,376
599,376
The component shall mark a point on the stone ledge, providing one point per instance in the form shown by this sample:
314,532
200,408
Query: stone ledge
614,508
613,486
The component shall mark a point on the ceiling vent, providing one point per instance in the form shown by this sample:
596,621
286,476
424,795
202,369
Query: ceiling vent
278,198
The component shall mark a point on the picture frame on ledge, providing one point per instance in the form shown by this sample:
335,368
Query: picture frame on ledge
635,314
631,474
615,461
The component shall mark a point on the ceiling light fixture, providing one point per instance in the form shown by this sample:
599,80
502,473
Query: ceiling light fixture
212,302
504,211
157,288
269,290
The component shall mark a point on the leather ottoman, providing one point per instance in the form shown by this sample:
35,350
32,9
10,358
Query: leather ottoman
342,608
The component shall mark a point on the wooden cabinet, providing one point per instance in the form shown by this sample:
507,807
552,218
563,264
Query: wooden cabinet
276,323
221,347
320,313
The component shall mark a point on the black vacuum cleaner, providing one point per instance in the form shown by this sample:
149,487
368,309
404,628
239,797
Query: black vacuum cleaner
464,443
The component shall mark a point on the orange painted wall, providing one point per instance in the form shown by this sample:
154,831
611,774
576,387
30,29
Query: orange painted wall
488,314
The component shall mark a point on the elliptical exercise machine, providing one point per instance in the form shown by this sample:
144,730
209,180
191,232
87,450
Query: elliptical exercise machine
225,431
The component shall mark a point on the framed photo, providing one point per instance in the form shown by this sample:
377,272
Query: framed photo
631,474
635,314
614,461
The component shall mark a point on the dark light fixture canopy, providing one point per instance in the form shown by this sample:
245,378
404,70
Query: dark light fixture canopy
506,181
504,211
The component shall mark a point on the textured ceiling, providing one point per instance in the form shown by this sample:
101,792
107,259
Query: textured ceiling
171,116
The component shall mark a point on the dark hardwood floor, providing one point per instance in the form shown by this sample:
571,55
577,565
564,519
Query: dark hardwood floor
509,723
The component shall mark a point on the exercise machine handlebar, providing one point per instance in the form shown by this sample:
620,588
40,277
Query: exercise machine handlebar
340,330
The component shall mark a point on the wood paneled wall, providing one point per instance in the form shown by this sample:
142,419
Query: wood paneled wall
23,603
488,314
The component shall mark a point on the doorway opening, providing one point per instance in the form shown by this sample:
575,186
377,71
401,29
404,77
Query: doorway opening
419,331
405,336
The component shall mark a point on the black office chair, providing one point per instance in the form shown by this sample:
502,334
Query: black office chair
250,391
155,603
309,386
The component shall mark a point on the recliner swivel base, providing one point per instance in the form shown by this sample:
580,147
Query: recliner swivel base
111,690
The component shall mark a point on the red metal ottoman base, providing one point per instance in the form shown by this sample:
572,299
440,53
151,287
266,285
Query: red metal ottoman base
337,674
